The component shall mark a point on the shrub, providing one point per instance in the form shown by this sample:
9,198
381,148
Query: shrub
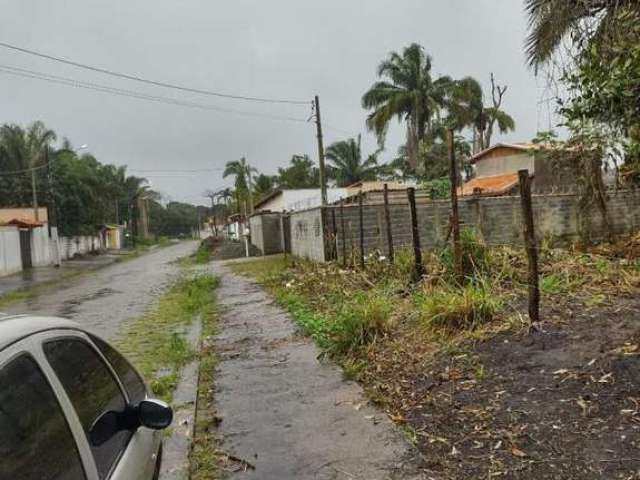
476,257
461,308
360,321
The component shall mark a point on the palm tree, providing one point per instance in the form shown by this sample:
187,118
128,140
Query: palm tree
408,93
242,172
466,107
27,150
551,21
264,185
347,164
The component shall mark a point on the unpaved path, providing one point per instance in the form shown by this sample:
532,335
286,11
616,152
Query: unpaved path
285,412
103,300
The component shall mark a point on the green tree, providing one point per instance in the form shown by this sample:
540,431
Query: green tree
347,165
467,108
551,21
22,154
264,185
409,93
300,173
243,176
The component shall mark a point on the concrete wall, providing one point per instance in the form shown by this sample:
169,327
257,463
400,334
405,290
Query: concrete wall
40,247
10,260
307,234
78,245
497,220
266,232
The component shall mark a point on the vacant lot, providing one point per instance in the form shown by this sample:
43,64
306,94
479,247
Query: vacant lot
458,367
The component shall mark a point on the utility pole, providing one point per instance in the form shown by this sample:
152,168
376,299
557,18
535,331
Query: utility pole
323,178
34,193
250,188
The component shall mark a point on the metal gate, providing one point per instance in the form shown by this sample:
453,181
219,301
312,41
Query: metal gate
25,248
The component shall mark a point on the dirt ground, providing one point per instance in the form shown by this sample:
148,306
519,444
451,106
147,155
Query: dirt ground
559,403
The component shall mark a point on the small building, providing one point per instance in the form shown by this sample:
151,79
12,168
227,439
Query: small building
284,200
111,236
496,170
374,186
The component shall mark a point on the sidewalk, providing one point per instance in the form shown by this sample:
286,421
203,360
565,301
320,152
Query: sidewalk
46,275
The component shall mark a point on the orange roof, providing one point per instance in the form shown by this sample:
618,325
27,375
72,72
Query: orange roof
25,223
494,185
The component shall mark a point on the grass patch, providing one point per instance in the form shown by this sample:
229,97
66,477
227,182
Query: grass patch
205,456
453,309
155,343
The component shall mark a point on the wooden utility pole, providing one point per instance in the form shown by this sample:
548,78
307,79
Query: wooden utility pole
361,215
530,245
250,186
323,177
455,216
387,219
34,193
415,236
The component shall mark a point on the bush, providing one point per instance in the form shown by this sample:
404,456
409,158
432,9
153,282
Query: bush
463,308
476,257
360,321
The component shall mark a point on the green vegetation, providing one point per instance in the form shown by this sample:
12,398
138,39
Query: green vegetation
205,456
457,309
155,342
81,192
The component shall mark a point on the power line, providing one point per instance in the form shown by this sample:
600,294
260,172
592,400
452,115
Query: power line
25,73
26,170
148,81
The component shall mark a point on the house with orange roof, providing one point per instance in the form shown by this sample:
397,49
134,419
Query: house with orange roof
496,170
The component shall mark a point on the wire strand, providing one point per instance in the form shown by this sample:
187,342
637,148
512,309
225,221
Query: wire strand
149,81
26,170
25,73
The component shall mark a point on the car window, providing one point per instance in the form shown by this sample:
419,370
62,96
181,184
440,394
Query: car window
35,439
132,382
92,390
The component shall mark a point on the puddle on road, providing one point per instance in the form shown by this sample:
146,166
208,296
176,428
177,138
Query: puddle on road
70,307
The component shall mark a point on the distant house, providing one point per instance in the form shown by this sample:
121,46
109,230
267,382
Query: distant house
300,199
496,170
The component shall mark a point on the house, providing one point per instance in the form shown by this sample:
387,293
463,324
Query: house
111,236
285,200
373,191
36,243
496,170
374,186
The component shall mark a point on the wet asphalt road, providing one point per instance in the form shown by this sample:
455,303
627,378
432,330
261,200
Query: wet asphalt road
102,300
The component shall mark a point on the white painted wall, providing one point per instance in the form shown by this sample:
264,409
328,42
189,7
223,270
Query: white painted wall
78,245
40,247
10,260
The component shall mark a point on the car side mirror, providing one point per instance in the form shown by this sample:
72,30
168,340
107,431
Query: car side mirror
154,414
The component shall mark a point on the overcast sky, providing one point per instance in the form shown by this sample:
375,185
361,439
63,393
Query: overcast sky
289,49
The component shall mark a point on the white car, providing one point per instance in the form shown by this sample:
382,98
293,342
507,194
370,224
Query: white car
72,407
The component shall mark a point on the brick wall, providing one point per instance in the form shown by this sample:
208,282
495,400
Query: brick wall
497,220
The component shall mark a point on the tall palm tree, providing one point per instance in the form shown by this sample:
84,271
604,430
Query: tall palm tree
407,92
466,107
243,173
551,21
347,164
26,149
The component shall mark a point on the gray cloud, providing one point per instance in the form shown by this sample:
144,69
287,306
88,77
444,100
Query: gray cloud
278,48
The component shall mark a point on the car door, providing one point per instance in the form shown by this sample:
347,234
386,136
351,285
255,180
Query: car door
36,438
92,387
